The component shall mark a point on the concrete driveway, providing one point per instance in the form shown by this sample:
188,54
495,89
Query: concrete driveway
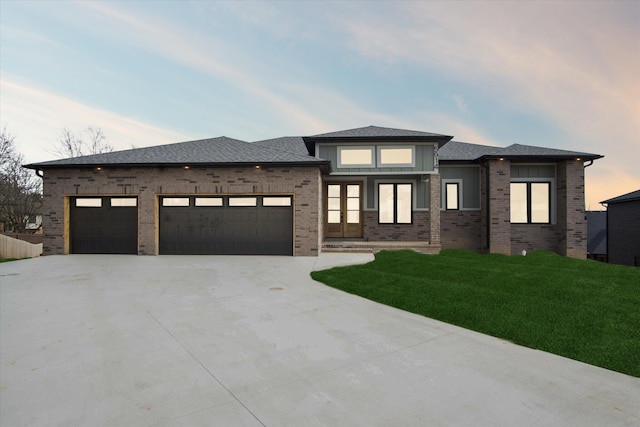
253,341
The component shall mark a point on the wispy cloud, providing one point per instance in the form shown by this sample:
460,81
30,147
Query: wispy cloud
36,117
576,64
200,52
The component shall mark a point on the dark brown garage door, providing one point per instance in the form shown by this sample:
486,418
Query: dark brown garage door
230,225
104,225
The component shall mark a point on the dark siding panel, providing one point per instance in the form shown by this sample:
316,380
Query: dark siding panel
623,235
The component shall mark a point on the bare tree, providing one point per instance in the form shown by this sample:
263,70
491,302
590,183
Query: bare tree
6,147
20,190
73,145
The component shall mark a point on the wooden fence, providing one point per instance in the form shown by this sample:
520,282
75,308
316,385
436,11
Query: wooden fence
14,248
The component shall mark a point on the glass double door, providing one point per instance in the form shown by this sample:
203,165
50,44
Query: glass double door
343,210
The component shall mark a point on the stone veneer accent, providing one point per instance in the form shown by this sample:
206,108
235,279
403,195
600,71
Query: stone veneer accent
149,182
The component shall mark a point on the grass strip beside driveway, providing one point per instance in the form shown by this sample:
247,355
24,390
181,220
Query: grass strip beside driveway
581,309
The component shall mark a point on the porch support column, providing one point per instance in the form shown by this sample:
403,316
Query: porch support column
499,207
434,209
571,220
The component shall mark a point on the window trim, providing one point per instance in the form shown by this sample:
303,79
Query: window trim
342,148
380,148
551,199
395,202
458,190
443,194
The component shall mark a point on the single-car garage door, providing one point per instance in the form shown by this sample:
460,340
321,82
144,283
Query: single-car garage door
229,225
104,225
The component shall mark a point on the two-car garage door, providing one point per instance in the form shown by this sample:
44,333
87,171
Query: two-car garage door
231,225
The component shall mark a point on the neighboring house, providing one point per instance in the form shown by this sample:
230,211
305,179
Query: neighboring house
623,229
597,235
360,189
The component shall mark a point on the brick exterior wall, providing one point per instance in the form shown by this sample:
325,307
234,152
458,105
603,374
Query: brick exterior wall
499,211
534,237
418,231
461,230
572,220
147,183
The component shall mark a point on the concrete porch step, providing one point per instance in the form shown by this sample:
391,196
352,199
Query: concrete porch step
372,247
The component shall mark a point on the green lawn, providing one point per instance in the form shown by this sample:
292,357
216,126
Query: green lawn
584,310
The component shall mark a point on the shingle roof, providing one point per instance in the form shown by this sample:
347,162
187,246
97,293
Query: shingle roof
296,149
634,195
454,150
220,150
376,131
462,151
292,144
596,232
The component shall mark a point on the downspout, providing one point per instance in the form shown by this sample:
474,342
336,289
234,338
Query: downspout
487,202
39,172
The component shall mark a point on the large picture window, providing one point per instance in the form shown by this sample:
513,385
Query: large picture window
531,202
395,203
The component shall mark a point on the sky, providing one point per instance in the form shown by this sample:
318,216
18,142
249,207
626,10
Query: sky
555,74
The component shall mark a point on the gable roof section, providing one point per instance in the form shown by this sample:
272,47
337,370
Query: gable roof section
455,150
371,134
378,132
634,195
291,144
214,151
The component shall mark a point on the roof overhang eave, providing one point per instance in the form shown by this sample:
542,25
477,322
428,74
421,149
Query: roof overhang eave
581,157
36,166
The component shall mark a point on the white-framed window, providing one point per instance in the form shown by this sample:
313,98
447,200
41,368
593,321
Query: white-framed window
123,202
276,201
175,201
355,157
452,196
89,203
208,201
243,201
396,156
531,202
395,203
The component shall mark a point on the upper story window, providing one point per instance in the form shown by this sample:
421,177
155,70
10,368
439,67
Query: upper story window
396,156
359,157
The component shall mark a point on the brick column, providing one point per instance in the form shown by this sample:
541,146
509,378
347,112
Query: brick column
434,209
499,211
572,223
